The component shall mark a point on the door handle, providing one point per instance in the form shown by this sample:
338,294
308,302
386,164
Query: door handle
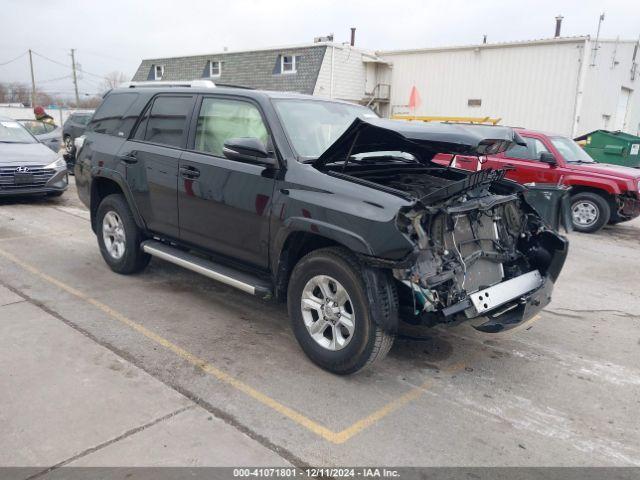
129,158
189,172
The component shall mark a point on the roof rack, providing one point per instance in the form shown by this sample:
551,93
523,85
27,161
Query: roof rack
231,85
161,83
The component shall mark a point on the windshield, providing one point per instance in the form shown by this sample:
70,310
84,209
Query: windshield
313,125
36,127
571,151
12,132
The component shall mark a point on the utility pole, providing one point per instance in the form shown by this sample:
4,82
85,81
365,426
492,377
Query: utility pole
597,46
75,78
33,82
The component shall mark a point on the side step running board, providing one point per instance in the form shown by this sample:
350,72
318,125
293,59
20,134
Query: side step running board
235,278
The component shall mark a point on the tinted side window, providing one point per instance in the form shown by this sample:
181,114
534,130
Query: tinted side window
531,152
108,118
222,119
519,151
84,119
167,120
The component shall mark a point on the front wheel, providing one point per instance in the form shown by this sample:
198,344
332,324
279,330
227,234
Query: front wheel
329,308
68,145
589,212
119,237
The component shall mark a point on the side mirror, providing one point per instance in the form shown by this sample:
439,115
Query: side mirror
548,158
247,149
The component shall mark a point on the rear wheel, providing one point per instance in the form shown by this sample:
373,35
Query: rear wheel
329,308
119,237
589,212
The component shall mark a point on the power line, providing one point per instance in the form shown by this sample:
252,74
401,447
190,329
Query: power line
13,59
101,77
54,79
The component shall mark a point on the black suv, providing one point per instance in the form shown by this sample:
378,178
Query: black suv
321,204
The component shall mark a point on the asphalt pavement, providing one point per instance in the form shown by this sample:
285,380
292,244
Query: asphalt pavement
170,368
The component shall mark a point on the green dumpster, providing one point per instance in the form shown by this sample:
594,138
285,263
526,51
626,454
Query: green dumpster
618,147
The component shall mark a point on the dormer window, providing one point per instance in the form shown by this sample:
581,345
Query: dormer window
288,64
158,72
215,68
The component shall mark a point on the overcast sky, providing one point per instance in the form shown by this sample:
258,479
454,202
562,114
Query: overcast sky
115,35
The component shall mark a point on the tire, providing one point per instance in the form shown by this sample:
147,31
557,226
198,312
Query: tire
68,145
367,342
589,212
126,257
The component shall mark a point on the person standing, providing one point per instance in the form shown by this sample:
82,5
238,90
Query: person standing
42,115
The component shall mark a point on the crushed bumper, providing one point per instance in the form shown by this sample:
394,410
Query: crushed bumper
516,312
517,303
628,207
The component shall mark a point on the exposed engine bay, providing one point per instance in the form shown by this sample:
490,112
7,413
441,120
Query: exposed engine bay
480,249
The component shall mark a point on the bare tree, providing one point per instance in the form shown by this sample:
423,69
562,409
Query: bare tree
19,93
113,80
45,99
91,102
4,93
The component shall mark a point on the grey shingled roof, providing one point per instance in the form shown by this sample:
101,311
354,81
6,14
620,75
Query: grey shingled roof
256,69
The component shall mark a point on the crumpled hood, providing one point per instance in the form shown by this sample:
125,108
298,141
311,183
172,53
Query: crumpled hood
25,154
420,138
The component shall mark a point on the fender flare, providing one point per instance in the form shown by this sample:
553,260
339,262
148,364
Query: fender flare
116,177
349,239
607,186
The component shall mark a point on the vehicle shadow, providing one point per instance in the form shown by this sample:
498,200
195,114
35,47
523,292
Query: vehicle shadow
30,199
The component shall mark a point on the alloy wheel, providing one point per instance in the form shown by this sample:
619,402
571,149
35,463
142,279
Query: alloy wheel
113,235
327,312
585,213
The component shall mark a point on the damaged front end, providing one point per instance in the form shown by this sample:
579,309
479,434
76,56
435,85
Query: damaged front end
482,252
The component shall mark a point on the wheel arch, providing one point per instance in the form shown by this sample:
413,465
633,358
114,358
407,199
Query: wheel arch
609,198
291,249
103,186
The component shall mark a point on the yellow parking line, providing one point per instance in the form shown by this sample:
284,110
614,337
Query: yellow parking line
297,417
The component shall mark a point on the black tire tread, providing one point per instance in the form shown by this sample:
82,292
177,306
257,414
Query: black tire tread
135,259
605,211
383,341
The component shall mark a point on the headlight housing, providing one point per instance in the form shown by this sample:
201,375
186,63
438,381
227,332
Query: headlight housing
58,164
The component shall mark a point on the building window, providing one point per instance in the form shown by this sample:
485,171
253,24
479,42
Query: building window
215,68
158,72
288,64
474,102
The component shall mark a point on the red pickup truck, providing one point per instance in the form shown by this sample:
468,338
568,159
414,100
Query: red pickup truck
600,193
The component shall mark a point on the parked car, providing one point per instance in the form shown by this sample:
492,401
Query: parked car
320,204
73,128
46,133
26,165
600,193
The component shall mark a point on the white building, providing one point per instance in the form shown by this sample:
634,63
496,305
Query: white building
569,85
564,85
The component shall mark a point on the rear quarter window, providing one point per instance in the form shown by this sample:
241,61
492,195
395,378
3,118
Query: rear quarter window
111,117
